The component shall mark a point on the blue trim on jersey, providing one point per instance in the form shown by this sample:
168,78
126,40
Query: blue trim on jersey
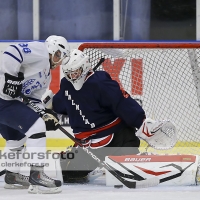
8,53
12,56
18,52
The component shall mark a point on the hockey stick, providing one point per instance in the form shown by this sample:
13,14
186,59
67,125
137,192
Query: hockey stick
98,64
130,184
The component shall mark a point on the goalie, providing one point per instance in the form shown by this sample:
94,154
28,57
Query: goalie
103,116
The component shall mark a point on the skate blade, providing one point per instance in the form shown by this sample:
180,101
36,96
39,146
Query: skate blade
15,186
36,189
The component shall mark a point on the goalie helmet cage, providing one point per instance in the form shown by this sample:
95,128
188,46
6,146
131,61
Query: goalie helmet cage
163,77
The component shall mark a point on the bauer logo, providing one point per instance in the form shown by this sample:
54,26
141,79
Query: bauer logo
14,82
137,159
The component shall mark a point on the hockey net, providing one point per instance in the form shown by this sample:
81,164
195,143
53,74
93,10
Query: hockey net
164,78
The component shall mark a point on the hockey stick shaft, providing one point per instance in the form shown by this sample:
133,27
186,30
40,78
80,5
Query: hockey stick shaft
129,184
98,64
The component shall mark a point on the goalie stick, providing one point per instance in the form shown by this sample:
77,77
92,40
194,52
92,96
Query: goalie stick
130,184
98,64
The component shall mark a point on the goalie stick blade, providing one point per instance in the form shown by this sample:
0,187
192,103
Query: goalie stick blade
132,174
135,184
151,182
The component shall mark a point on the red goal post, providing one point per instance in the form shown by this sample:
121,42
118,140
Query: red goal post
163,77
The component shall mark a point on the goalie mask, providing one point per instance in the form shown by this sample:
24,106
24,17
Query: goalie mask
59,49
76,70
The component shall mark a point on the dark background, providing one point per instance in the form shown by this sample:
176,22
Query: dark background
93,19
173,20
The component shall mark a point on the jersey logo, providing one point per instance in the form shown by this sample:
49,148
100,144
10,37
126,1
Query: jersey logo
77,108
31,85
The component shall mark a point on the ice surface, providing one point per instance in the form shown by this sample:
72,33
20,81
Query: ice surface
98,191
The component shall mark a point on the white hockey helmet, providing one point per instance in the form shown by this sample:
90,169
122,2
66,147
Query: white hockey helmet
77,68
58,45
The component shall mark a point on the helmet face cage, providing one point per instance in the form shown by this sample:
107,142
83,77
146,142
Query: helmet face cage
59,47
74,75
77,68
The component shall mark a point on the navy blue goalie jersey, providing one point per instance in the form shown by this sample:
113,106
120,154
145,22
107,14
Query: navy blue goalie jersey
99,108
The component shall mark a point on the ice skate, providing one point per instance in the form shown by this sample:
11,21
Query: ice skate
16,181
41,183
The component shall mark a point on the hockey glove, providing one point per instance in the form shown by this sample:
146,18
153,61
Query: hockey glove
51,120
158,134
13,85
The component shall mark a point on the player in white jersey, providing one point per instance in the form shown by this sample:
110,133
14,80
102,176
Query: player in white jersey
26,68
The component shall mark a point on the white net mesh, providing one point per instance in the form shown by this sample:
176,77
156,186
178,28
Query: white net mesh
161,80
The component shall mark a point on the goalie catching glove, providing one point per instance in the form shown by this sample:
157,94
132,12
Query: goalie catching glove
13,85
158,134
51,120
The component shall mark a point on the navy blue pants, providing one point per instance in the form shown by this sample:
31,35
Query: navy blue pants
15,119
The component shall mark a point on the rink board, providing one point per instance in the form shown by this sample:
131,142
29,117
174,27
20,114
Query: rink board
61,143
